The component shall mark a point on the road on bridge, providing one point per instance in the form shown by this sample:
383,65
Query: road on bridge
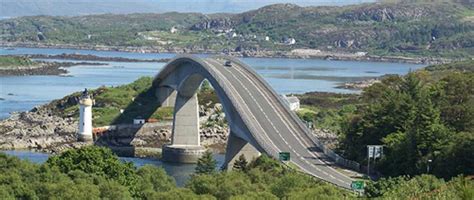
280,132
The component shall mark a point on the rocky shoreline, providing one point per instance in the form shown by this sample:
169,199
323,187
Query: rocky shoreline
42,68
43,130
90,57
359,85
295,53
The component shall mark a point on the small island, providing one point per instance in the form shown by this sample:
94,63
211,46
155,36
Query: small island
24,66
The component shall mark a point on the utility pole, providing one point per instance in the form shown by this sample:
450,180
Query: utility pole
428,166
368,167
373,151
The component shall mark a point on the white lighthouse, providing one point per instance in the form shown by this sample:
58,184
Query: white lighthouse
85,118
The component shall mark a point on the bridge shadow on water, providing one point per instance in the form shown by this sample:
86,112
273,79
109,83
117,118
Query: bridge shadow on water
122,131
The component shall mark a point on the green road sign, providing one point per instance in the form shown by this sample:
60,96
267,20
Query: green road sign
284,156
357,185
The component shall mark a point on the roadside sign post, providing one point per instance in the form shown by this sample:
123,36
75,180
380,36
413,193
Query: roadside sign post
373,151
358,186
284,156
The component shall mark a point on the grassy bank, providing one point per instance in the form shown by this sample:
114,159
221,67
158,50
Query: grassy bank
121,104
117,105
15,61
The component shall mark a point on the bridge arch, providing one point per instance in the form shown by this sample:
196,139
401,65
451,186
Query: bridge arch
177,85
258,119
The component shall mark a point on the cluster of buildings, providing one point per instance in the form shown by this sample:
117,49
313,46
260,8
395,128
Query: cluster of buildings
231,33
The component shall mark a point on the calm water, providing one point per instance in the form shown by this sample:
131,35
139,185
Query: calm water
22,93
180,172
284,75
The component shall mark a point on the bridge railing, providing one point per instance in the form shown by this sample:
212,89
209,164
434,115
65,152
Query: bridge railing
333,155
309,133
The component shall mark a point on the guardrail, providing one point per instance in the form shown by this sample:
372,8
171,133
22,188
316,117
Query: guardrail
330,153
333,155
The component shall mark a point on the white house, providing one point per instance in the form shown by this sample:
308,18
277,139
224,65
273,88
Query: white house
361,53
173,30
231,34
138,120
292,102
290,41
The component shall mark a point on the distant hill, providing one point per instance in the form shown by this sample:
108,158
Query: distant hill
16,8
398,29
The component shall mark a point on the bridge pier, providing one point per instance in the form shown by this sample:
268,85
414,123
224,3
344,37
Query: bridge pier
166,96
236,147
185,142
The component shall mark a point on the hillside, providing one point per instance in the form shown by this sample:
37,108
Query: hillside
397,29
16,8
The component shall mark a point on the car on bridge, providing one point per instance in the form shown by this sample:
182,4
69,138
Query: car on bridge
228,63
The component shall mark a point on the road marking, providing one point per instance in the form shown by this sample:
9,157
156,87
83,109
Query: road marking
268,119
297,136
276,147
285,122
246,106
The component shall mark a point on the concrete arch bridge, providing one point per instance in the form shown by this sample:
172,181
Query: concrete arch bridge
258,119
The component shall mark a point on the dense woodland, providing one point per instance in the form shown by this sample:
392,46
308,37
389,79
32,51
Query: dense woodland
425,115
94,172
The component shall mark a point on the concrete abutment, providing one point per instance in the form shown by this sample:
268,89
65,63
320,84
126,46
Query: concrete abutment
237,147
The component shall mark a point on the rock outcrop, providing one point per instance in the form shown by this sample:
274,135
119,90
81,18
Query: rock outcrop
43,130
359,85
389,12
42,68
217,23
39,129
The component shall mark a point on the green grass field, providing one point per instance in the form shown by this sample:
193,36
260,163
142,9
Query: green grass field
15,61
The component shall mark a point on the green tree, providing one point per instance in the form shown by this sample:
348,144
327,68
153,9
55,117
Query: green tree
202,184
96,160
456,157
179,193
241,164
414,187
289,183
321,192
220,185
153,179
402,116
206,164
113,190
255,196
455,97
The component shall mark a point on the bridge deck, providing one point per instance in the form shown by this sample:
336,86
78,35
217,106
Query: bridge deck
279,130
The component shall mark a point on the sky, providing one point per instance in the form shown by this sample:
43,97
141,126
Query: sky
14,8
